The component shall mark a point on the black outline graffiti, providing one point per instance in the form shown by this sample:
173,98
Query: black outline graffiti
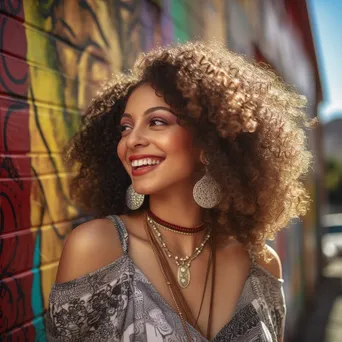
7,71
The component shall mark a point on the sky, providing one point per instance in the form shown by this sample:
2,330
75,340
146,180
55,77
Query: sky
326,19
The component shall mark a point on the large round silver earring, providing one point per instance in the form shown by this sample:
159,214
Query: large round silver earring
207,193
134,200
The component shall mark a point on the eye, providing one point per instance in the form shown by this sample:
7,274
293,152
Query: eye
124,127
157,122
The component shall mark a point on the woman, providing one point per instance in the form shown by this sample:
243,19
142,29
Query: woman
196,158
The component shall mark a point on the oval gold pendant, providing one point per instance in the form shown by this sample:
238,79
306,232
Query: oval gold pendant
183,276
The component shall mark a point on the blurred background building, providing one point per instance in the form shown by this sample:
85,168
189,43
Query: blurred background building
54,54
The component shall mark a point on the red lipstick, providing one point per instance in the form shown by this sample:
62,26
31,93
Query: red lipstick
143,169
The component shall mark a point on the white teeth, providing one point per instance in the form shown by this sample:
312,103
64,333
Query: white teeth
147,161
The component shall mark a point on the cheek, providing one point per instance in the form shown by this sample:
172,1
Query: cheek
180,143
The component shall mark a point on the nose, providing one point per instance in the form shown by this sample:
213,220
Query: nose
136,139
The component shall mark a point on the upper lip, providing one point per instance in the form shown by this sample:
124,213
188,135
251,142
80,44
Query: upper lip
143,156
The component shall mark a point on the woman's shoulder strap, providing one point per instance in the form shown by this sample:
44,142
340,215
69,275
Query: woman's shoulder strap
122,231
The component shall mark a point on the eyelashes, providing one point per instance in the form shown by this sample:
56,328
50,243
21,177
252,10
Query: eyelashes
122,128
153,122
160,121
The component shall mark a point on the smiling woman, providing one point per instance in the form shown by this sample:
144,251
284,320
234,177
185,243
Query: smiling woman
152,129
196,158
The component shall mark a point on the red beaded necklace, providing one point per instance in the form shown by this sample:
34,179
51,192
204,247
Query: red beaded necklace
175,228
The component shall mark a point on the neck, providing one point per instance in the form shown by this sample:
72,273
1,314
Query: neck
182,211
177,210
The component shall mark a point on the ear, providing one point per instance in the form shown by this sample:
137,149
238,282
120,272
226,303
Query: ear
204,158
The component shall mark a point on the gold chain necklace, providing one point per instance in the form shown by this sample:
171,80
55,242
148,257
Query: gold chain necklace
167,274
171,230
184,264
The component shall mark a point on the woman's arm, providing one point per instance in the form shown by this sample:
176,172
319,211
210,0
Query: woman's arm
74,311
88,247
274,265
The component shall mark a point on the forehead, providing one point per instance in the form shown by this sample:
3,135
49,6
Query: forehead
142,98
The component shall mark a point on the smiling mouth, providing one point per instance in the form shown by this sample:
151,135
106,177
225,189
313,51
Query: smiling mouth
142,167
145,163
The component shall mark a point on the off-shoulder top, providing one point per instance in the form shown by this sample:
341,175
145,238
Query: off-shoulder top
118,303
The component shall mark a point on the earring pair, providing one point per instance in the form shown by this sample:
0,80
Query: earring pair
206,194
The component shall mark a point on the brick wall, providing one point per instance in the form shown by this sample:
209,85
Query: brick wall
53,54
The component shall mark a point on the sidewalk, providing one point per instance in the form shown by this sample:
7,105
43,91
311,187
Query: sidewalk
324,322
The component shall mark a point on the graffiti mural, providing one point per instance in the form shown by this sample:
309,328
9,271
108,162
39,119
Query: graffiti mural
54,55
85,44
14,171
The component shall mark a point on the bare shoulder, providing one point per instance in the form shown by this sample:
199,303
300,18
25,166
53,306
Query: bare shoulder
273,265
87,248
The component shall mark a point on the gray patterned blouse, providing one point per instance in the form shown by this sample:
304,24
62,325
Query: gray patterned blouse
118,303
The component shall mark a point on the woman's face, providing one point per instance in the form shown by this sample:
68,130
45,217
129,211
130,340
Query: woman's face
155,150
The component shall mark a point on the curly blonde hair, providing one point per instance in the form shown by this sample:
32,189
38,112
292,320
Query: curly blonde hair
249,123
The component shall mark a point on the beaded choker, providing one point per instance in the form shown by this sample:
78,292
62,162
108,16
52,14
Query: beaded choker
174,228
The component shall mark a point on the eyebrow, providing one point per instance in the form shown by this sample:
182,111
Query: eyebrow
150,110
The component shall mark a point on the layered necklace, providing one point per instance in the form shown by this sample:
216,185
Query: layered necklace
183,263
174,228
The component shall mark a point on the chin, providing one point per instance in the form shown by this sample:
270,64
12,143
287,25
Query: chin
144,189
149,188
